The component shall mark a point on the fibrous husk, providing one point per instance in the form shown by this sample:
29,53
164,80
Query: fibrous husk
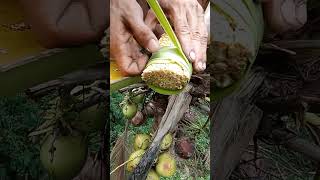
138,119
184,147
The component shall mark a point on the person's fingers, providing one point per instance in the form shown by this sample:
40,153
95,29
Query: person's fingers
203,45
130,60
151,20
195,37
128,34
183,33
177,12
125,50
201,61
143,34
159,31
131,67
198,36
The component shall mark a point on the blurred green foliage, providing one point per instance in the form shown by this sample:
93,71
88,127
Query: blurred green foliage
18,155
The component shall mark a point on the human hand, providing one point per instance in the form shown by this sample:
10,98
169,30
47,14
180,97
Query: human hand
128,33
187,18
66,22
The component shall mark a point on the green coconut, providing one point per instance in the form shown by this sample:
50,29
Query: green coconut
166,142
138,98
129,110
166,166
63,157
141,141
134,159
152,175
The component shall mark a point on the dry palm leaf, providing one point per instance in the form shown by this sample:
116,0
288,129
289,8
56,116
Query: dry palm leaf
118,156
93,169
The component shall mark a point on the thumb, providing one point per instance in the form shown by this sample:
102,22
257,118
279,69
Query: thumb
151,20
144,35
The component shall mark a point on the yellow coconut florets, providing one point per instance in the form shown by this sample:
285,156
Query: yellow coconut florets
167,73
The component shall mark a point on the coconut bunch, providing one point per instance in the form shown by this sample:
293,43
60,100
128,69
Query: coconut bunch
167,69
164,165
236,34
137,106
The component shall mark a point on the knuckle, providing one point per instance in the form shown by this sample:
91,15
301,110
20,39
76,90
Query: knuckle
184,30
192,4
200,9
182,27
205,35
204,40
196,35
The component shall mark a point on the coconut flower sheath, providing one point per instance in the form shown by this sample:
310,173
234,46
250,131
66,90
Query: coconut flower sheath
167,71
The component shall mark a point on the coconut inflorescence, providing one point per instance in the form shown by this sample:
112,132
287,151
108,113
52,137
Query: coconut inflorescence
167,72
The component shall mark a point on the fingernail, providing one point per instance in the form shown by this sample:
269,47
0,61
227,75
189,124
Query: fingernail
153,45
192,55
204,66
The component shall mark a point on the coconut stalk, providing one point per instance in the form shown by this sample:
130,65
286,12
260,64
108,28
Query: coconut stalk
236,32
